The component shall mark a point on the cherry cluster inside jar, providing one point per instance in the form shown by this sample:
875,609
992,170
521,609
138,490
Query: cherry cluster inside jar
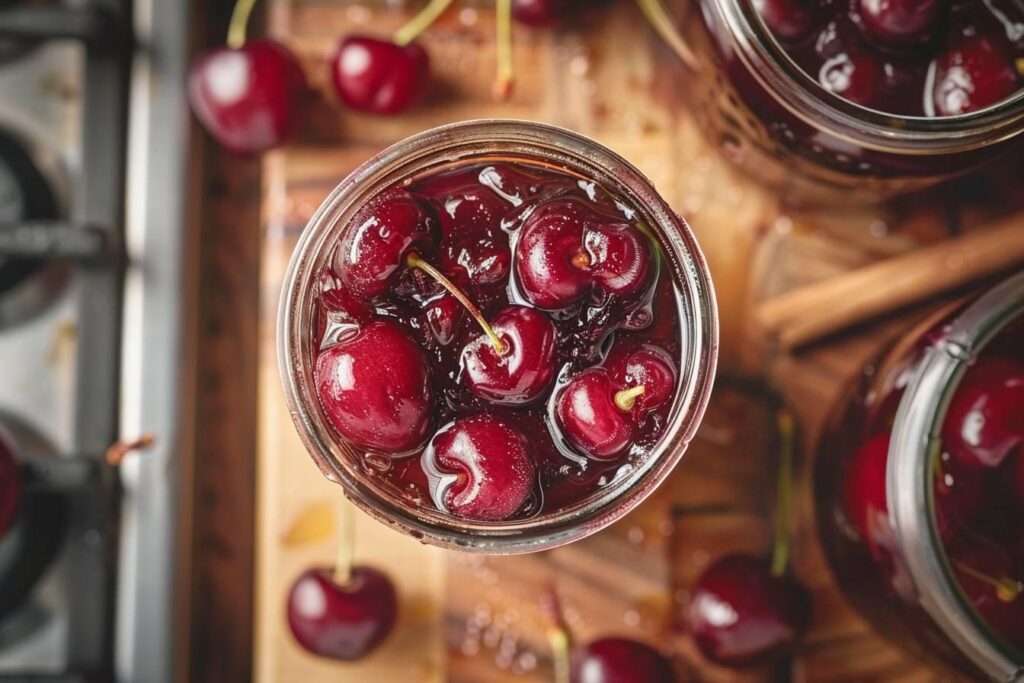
906,57
497,339
977,485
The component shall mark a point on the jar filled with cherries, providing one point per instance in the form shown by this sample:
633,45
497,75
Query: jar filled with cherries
836,98
497,336
920,487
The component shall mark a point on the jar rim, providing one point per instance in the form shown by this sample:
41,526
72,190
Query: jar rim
802,96
915,440
465,141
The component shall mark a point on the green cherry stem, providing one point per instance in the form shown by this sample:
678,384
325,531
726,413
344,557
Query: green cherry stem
625,400
239,23
787,438
1007,589
559,638
659,19
414,260
421,22
342,573
503,27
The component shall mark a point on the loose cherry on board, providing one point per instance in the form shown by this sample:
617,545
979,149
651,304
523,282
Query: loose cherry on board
345,611
619,660
379,76
741,614
374,387
566,251
479,468
900,23
985,420
373,253
522,370
973,72
10,489
248,96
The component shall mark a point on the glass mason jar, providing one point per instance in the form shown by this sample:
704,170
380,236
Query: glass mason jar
898,511
768,115
449,147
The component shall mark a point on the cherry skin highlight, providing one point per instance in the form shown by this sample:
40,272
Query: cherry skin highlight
479,468
523,371
344,622
985,420
619,660
249,99
373,253
790,20
900,22
378,76
375,389
741,615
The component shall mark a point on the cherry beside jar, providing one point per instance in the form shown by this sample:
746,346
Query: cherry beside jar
497,336
826,101
919,487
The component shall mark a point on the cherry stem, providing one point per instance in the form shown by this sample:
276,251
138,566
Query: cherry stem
415,261
658,17
625,400
503,26
780,550
346,544
1007,589
558,635
119,451
421,22
581,260
239,23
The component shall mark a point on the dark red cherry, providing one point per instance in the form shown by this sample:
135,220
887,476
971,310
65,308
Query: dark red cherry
985,421
741,615
541,12
854,75
479,468
900,22
788,20
864,500
525,368
378,76
10,489
620,660
589,418
566,252
960,494
973,72
375,388
373,250
249,99
341,621
644,365
443,314
989,580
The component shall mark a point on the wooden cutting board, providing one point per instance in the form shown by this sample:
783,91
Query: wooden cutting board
469,618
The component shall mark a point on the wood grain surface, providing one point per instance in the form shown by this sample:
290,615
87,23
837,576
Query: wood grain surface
468,618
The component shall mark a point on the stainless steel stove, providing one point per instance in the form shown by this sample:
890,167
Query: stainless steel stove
93,240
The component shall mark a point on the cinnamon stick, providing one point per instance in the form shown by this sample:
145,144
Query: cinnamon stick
819,310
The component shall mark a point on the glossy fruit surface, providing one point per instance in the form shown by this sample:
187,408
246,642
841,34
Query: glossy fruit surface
741,615
480,468
971,74
10,489
344,622
985,419
620,660
249,99
864,500
523,372
900,22
790,20
645,365
375,388
589,418
378,76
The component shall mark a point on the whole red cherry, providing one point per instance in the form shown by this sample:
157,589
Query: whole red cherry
480,468
645,365
524,370
788,20
588,417
379,76
864,500
249,99
375,388
541,13
10,488
985,420
566,252
342,621
973,72
372,253
741,615
900,23
619,660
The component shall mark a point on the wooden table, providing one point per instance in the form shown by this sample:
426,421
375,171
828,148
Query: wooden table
467,618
